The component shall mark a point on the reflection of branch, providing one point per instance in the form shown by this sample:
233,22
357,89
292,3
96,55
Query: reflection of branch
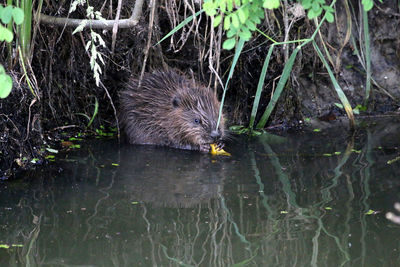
391,216
97,24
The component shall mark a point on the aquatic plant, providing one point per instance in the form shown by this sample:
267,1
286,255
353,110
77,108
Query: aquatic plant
240,19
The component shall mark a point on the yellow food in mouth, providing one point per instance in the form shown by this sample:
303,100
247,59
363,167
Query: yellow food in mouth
215,150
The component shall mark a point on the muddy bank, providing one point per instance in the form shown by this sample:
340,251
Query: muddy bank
67,93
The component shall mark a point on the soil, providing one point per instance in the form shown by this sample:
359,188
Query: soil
63,80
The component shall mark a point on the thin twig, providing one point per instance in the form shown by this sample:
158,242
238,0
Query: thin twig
115,28
29,119
114,109
149,34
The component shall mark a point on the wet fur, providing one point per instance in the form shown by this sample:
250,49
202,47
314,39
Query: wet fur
169,109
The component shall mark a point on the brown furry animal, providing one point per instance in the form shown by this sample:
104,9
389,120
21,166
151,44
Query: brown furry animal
168,109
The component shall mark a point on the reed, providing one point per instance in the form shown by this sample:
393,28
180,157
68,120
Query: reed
285,76
338,89
238,51
281,84
367,57
259,89
180,26
26,30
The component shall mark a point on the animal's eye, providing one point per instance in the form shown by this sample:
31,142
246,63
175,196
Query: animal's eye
197,121
176,101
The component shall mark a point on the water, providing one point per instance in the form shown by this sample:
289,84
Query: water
276,202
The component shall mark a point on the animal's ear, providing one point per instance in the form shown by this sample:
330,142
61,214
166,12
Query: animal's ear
176,101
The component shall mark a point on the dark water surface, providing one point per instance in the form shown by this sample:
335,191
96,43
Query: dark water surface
275,202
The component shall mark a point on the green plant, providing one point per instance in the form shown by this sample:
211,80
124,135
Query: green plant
241,17
25,31
96,39
8,14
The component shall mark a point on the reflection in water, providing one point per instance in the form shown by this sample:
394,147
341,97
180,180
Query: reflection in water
309,200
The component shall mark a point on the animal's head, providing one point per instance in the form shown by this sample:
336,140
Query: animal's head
194,116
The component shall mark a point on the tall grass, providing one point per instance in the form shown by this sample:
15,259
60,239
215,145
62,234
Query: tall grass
281,84
26,29
339,91
9,45
285,76
238,51
287,71
367,56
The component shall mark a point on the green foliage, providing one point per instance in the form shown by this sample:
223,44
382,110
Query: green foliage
5,83
241,17
8,14
368,4
315,8
96,40
25,31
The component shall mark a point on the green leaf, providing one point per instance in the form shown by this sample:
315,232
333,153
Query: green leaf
368,4
51,150
222,7
313,14
227,23
235,21
229,44
232,32
370,212
81,26
256,20
229,4
251,25
208,6
5,85
18,15
271,4
306,4
339,105
6,14
6,34
259,13
329,17
242,16
180,25
236,127
217,20
316,6
245,34
328,9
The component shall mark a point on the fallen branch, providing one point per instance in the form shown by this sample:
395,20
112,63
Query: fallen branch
97,24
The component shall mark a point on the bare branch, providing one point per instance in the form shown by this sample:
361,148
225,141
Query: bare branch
97,24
